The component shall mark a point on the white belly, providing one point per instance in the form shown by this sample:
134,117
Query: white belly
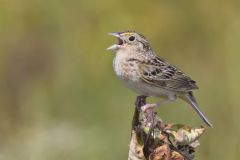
142,88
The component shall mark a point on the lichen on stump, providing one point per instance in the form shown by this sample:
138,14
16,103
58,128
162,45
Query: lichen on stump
152,139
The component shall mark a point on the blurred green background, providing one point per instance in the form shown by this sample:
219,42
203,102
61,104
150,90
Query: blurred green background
60,99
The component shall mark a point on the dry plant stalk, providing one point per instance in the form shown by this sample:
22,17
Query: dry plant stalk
151,139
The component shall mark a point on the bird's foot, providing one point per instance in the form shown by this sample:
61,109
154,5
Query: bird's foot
147,107
140,101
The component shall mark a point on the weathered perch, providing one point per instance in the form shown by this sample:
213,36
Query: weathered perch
151,139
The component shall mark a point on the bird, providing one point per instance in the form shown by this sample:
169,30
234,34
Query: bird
143,71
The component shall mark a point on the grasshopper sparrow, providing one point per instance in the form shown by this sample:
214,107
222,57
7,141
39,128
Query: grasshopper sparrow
137,65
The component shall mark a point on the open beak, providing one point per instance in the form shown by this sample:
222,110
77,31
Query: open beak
115,47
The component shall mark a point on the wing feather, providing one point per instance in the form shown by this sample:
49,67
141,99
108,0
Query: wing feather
159,73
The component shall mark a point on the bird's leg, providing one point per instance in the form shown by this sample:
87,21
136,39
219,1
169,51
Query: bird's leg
140,101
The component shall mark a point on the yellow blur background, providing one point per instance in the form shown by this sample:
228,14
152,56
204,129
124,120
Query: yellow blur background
60,99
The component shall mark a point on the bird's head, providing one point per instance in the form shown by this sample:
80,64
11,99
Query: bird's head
129,41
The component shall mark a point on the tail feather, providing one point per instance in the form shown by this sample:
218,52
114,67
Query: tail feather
189,98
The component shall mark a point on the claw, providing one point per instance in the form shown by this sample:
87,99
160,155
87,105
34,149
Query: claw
148,106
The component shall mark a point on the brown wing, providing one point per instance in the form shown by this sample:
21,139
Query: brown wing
159,73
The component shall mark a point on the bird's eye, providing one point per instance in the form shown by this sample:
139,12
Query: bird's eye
131,38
